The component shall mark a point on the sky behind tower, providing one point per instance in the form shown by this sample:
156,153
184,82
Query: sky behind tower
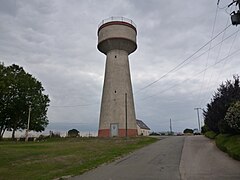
56,42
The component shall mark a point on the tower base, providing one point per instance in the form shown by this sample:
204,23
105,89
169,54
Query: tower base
121,133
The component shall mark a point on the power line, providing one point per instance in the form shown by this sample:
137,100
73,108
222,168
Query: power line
209,49
217,57
222,67
176,67
175,85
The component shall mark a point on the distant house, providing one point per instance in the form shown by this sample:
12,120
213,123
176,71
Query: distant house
142,128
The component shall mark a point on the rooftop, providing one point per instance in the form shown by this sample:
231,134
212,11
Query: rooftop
142,125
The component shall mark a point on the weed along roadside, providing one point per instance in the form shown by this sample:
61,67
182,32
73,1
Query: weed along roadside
60,157
227,143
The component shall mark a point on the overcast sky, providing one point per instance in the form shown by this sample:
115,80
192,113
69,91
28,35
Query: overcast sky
56,42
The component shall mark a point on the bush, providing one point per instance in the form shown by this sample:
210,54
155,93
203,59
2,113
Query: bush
154,134
73,133
205,129
188,131
210,134
42,137
232,117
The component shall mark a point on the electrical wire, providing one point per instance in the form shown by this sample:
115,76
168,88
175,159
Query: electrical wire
210,49
210,44
223,59
207,86
222,67
178,67
180,64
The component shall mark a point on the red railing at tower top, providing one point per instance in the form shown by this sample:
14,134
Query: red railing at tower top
120,19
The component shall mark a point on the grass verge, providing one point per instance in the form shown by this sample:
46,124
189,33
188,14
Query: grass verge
210,134
227,143
66,156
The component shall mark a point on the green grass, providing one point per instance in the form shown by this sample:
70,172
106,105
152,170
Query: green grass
65,156
229,144
210,134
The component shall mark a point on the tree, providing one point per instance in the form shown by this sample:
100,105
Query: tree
226,95
188,131
73,133
20,90
232,117
3,100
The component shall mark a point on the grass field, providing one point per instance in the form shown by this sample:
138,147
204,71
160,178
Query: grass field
60,157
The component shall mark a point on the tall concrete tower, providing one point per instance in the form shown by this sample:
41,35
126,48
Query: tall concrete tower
117,39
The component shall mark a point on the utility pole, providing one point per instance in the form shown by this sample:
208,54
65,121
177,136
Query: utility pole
29,116
170,126
198,118
126,113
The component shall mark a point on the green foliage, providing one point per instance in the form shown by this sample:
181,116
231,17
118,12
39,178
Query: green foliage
232,117
229,144
73,133
188,131
226,95
205,129
55,158
211,134
18,90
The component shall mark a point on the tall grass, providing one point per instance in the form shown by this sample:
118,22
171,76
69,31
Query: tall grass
211,134
229,144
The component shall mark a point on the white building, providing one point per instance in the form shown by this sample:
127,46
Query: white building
142,128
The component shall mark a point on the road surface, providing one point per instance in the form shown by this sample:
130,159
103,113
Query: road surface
157,161
172,158
201,159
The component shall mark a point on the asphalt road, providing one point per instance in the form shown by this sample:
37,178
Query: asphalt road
157,161
202,160
172,158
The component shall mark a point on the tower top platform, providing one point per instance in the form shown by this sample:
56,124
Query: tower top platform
118,21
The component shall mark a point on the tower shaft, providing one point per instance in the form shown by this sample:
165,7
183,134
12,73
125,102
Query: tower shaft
117,83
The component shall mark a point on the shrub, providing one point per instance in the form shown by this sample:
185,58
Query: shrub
205,129
210,134
188,131
232,117
73,133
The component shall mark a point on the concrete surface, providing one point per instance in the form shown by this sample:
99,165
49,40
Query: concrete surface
160,160
117,40
202,160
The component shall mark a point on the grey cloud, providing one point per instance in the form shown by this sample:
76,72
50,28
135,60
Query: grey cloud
56,42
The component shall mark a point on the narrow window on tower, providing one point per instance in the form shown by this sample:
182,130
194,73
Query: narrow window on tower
115,56
115,91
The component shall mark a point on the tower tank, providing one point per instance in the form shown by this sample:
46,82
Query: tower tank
117,39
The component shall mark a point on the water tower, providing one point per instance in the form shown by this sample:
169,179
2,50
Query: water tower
117,39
